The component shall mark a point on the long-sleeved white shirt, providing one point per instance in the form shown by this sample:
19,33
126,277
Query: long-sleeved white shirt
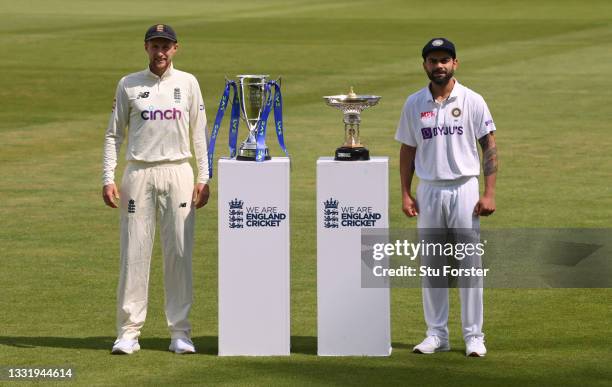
158,113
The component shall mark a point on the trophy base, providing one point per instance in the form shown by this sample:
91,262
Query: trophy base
245,154
346,153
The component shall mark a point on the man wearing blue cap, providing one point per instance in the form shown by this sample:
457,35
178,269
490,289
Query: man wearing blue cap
160,107
439,128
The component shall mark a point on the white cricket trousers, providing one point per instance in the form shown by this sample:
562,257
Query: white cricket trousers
149,189
450,205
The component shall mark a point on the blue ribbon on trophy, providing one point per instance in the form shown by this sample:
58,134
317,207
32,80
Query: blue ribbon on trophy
253,98
234,123
278,117
277,101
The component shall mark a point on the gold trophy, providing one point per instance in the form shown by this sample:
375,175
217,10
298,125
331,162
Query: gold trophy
352,105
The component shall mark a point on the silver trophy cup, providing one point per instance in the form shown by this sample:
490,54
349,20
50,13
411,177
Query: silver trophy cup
252,101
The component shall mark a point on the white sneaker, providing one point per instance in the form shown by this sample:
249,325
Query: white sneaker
182,346
125,347
474,347
432,344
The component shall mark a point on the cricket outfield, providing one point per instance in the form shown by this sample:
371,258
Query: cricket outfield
543,68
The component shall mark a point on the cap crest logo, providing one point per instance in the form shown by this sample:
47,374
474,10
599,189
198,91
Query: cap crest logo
437,42
160,28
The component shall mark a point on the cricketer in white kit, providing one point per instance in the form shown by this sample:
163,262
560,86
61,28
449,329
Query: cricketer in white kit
439,128
159,107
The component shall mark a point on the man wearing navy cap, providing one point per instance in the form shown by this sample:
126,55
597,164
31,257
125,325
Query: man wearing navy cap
439,128
160,107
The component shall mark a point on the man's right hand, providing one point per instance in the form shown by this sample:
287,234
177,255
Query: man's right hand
110,195
409,206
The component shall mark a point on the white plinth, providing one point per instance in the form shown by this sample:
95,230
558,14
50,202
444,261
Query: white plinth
352,321
254,258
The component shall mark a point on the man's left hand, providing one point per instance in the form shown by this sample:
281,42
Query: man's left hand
485,206
200,195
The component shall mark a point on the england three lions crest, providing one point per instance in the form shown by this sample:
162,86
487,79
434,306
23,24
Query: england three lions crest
236,214
336,215
247,216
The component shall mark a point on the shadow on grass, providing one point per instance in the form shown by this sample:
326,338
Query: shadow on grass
207,345
396,345
306,345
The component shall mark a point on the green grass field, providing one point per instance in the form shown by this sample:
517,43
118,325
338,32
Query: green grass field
543,67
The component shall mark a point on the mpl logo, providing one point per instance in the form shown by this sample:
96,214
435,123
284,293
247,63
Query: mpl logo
241,216
430,114
336,216
156,114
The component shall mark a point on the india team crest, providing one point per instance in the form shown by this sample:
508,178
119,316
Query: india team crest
456,112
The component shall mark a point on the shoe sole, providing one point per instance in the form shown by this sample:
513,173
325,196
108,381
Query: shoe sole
122,352
416,350
181,352
476,354
119,351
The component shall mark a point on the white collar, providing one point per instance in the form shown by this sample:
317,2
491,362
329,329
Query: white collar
454,93
165,75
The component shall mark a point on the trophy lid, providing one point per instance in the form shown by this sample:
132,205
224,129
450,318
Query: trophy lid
352,97
352,101
252,75
259,78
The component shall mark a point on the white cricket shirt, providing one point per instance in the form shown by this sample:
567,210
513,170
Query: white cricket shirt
158,113
445,134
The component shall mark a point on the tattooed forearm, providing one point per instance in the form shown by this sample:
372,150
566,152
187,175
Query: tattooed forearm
490,161
489,154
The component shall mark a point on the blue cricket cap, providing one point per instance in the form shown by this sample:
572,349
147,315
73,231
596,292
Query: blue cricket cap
160,31
439,44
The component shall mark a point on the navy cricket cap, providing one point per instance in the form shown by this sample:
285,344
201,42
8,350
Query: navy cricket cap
439,44
160,31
